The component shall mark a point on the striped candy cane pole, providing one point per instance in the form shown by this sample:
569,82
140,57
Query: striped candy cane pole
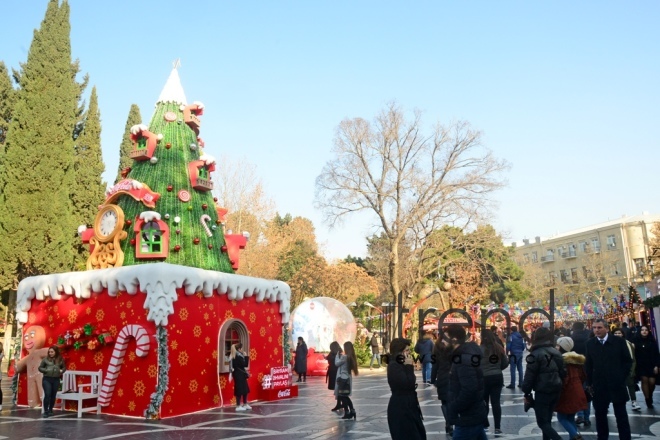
142,340
204,219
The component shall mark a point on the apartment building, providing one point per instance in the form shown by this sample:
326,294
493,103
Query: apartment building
602,259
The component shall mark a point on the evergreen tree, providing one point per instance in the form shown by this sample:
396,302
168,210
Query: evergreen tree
38,166
89,188
125,161
7,101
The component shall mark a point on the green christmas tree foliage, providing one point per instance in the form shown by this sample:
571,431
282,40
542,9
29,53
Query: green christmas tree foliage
125,161
167,173
38,166
89,188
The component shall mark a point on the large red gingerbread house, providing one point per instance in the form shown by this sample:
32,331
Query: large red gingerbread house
159,306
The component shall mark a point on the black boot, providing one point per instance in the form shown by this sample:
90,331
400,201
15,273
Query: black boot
336,408
649,403
350,415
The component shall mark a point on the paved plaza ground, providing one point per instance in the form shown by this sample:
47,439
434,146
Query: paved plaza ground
306,417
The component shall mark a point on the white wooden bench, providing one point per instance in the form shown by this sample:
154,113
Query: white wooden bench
72,390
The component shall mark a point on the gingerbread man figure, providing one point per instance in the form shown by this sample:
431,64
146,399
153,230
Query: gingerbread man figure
34,339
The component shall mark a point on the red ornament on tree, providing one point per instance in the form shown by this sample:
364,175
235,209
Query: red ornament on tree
168,145
196,240
215,199
210,246
129,222
132,242
170,188
177,248
205,206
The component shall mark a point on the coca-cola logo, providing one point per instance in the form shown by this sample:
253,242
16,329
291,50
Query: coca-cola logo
284,393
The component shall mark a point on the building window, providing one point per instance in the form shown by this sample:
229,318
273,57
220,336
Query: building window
552,277
563,274
639,265
595,245
574,275
614,269
583,246
526,258
232,332
611,242
535,257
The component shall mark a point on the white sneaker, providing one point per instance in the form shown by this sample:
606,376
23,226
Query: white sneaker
247,406
636,407
241,408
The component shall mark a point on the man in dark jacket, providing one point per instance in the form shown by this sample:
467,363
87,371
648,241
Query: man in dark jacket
375,352
544,375
607,366
424,348
580,336
515,345
466,410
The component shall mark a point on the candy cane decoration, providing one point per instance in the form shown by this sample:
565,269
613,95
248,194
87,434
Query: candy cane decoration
142,340
204,219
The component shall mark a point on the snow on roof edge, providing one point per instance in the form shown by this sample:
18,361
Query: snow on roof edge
158,280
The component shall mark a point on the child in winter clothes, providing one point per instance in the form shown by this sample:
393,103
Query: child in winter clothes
572,397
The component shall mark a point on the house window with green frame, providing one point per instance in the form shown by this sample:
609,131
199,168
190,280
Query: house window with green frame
152,238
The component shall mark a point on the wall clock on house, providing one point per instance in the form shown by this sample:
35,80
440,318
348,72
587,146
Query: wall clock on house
108,232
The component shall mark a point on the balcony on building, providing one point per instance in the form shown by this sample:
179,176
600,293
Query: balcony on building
547,258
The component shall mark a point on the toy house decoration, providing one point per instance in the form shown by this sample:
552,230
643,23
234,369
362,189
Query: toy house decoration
200,173
191,115
159,306
144,142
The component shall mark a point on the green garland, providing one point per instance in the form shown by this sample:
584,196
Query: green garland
652,302
286,347
163,375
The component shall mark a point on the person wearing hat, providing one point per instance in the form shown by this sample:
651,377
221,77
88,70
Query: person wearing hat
572,398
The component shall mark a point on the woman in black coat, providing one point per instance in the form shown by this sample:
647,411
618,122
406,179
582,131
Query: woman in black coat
442,354
648,359
331,375
239,371
404,416
300,366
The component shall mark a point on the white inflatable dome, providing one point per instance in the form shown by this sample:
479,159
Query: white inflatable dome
320,321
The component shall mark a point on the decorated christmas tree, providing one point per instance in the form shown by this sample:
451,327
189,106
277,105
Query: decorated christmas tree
163,208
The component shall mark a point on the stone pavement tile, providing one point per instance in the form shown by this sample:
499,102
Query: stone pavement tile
307,417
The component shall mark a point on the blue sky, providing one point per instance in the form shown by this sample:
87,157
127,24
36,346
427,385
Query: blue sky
567,92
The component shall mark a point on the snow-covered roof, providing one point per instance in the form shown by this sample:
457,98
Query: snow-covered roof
173,91
158,280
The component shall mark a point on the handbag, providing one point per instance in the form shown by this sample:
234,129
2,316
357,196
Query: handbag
343,387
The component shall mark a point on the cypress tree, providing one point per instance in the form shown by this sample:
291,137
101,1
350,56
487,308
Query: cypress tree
125,161
7,101
89,188
38,166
